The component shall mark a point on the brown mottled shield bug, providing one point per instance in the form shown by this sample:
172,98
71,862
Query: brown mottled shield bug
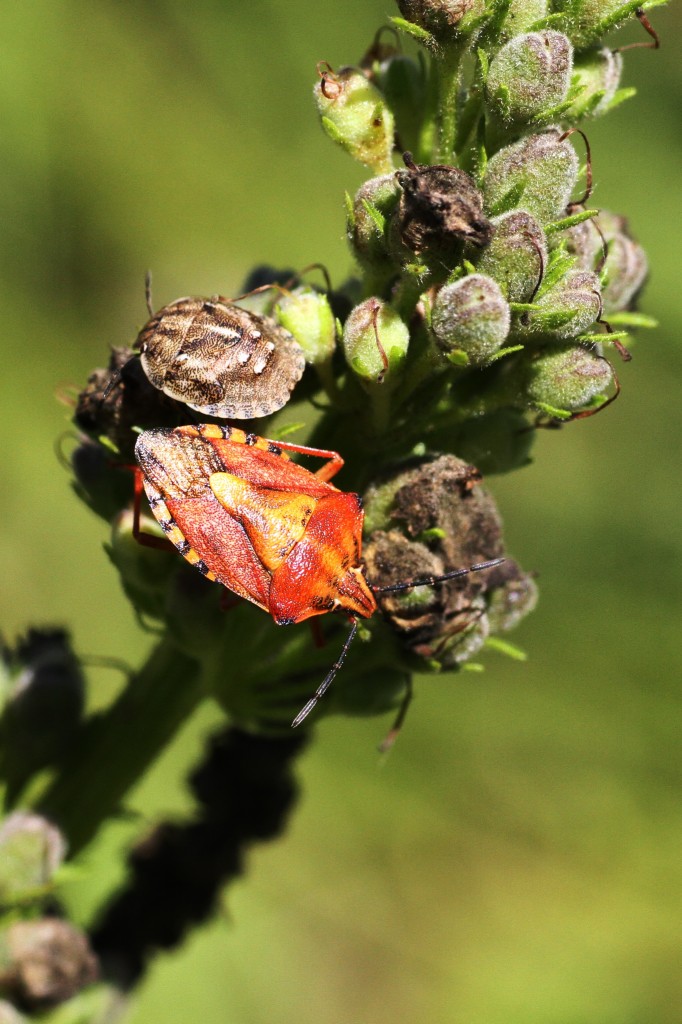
239,510
220,359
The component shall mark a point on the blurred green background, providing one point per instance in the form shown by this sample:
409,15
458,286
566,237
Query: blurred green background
518,858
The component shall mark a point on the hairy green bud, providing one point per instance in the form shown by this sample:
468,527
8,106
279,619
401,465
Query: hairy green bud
516,255
375,341
31,850
307,315
566,309
355,114
373,206
567,378
596,74
536,174
530,76
401,80
605,244
626,267
472,317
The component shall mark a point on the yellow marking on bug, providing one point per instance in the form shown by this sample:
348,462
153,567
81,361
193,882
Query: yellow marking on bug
274,520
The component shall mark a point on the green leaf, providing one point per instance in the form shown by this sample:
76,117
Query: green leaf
435,533
416,31
350,211
603,337
505,352
550,410
375,215
510,199
483,63
333,132
569,222
504,647
548,22
620,96
631,319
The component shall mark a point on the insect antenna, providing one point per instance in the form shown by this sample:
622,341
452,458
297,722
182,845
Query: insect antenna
329,678
427,581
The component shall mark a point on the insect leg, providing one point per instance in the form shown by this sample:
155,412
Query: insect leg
326,472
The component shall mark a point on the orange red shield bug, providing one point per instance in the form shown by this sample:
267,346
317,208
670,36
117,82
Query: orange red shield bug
271,531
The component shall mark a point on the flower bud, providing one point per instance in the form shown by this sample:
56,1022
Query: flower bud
45,962
597,74
626,267
373,206
585,242
471,316
307,315
355,114
536,174
516,255
444,19
401,80
566,309
566,378
440,207
512,602
529,76
375,341
31,850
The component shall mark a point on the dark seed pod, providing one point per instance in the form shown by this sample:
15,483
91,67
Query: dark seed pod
440,206
219,359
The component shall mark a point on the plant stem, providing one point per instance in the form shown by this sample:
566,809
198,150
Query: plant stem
116,747
448,68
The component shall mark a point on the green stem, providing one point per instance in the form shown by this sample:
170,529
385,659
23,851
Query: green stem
117,746
449,69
